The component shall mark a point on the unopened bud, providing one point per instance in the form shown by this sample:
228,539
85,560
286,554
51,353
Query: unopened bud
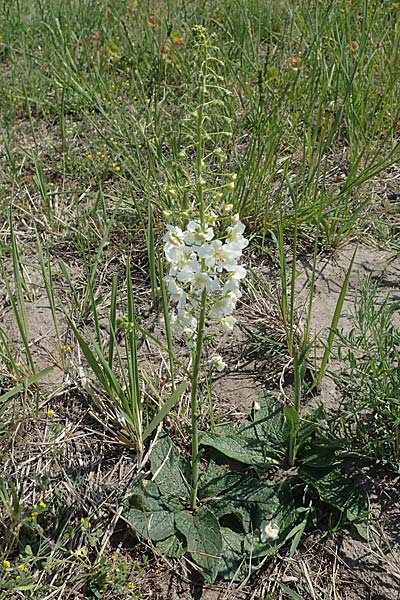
172,192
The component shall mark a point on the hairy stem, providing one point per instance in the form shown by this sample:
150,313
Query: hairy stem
193,401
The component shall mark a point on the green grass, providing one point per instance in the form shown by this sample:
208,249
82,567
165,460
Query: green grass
118,86
102,146
369,416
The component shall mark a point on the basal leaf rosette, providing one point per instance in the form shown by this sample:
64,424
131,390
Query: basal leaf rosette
200,261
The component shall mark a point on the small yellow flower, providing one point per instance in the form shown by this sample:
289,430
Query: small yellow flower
34,514
18,577
117,168
131,585
6,564
21,567
42,504
86,523
113,557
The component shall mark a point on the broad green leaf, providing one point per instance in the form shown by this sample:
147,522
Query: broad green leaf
171,547
249,500
155,526
242,449
233,558
148,513
337,490
320,453
274,503
223,495
204,540
168,467
269,423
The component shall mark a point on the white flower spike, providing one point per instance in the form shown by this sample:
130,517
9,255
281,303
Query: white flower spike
198,262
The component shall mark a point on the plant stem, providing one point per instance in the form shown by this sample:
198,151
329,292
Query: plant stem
200,145
193,401
202,317
296,405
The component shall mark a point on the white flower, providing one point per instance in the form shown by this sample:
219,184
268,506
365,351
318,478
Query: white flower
268,531
174,238
227,323
235,239
196,235
180,258
176,292
201,281
188,271
217,363
183,322
236,271
217,255
224,306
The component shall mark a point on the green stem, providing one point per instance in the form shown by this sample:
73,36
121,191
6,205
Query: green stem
193,400
296,406
200,149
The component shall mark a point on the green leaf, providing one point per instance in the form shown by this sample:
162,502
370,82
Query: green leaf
269,423
204,540
168,467
242,449
274,504
292,418
289,593
148,513
156,525
23,386
233,558
223,494
339,491
321,453
171,547
249,500
169,404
